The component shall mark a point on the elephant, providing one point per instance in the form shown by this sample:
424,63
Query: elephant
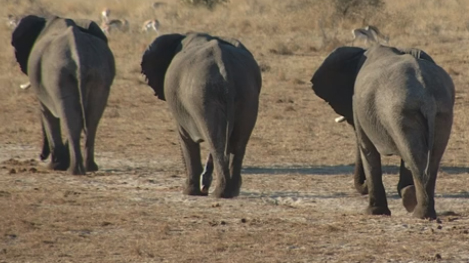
71,69
212,87
405,178
399,102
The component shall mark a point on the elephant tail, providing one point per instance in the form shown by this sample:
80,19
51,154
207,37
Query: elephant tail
79,60
429,111
81,89
229,123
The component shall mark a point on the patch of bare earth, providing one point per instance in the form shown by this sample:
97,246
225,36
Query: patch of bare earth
297,203
306,215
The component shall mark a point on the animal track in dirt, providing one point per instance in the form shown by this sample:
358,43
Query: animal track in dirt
13,161
15,166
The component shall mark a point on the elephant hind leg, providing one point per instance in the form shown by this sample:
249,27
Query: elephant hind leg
417,197
95,108
425,183
378,204
191,156
238,141
406,188
216,137
245,120
45,143
207,175
359,178
371,159
52,139
236,163
221,163
72,121
405,178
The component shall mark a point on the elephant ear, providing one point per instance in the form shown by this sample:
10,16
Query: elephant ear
334,80
156,60
23,38
418,53
90,27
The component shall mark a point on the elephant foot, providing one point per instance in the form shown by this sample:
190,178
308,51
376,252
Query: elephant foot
58,165
409,198
43,156
235,191
194,190
60,159
45,152
77,170
223,192
376,210
91,167
362,188
235,188
206,182
424,212
204,189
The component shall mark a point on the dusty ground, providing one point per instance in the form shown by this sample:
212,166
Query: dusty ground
297,203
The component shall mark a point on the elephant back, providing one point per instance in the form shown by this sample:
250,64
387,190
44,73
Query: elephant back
418,54
197,39
233,42
90,27
84,25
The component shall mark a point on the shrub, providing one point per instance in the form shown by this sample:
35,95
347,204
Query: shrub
210,4
357,9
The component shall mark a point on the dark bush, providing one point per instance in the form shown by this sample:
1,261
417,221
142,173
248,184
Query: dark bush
357,9
210,4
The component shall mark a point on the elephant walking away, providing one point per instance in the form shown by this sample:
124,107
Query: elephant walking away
399,102
71,69
212,87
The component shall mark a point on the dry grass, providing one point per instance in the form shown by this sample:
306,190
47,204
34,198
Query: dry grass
297,203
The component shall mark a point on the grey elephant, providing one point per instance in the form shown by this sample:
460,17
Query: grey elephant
400,102
71,70
212,87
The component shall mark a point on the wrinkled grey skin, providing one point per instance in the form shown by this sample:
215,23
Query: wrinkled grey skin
399,103
212,87
71,69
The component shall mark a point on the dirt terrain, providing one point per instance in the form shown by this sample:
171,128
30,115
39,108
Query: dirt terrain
297,202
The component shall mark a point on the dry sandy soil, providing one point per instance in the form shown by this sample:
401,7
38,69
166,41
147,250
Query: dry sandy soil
297,203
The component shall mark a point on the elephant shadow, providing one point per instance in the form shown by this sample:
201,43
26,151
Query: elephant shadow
291,195
338,169
335,169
